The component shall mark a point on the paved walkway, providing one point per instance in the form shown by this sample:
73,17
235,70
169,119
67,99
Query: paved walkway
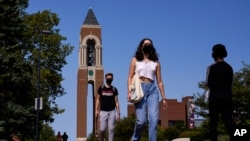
181,139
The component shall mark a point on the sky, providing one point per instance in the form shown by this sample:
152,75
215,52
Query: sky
183,32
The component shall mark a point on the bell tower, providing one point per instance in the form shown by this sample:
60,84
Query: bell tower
90,71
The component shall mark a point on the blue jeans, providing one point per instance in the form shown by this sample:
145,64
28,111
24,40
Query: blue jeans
147,110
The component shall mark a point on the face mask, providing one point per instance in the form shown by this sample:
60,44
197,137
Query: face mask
147,49
109,81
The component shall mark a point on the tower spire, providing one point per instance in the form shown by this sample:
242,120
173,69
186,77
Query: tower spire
90,18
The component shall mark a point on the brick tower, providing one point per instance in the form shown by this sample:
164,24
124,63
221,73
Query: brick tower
90,71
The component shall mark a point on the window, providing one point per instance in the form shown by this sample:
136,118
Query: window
171,123
91,52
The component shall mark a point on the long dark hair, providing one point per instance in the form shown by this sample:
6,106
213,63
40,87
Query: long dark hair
139,54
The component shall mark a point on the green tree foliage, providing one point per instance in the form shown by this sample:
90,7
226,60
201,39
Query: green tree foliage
53,56
241,97
15,73
46,133
21,35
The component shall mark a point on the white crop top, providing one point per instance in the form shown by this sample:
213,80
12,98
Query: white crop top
146,69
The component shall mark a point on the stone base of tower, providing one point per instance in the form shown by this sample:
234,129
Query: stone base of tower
81,139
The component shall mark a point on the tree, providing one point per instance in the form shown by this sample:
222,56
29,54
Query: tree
20,38
241,95
53,57
15,73
47,133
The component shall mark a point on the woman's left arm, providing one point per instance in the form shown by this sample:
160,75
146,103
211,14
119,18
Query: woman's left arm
161,85
159,80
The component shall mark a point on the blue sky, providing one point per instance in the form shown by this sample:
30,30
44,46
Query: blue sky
183,32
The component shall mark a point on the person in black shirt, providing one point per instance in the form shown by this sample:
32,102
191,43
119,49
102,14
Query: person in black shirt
64,137
107,107
219,81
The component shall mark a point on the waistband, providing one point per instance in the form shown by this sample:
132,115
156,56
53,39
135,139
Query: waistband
146,80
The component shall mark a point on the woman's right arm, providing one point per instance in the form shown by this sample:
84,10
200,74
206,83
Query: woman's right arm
130,75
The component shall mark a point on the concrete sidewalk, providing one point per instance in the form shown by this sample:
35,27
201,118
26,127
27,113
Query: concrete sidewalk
181,139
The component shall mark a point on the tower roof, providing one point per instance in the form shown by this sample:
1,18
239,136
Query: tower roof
90,18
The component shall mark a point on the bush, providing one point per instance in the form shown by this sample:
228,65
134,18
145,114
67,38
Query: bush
194,135
223,137
171,133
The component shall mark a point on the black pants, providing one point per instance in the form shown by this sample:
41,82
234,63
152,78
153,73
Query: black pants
216,107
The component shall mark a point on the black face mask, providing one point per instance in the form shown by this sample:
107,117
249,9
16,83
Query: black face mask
147,49
109,81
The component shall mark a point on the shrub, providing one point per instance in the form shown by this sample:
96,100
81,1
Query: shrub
171,133
194,135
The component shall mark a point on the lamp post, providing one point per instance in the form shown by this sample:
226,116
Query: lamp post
38,100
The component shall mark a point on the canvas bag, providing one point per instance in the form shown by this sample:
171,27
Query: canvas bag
136,89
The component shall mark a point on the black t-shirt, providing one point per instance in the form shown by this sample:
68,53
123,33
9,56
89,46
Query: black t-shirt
64,137
107,97
219,80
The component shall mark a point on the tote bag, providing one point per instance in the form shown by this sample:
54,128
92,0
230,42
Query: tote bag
136,89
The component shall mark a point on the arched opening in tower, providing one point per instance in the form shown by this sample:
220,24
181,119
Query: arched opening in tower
91,52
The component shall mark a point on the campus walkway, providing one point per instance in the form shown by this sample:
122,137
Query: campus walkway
181,139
